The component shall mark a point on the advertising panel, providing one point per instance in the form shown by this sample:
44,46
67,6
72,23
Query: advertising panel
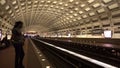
108,34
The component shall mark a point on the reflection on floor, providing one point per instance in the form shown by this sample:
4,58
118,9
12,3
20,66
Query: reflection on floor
7,56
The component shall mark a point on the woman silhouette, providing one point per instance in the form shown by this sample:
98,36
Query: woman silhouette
18,42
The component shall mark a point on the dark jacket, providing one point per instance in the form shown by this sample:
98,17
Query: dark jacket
17,37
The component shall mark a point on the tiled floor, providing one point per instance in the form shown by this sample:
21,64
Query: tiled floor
7,57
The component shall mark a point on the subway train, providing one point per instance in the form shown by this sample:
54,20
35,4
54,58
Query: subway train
62,33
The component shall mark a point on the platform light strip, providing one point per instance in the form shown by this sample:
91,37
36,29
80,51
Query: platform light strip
105,65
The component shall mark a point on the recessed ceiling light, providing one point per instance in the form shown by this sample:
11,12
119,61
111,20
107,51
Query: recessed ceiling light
47,66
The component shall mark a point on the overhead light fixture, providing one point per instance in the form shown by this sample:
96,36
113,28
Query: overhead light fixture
47,66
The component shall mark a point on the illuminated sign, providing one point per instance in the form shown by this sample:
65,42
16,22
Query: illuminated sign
107,33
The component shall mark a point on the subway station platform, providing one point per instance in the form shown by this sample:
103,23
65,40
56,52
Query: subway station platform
57,53
7,57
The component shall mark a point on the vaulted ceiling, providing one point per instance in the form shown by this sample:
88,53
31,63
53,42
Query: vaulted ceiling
52,15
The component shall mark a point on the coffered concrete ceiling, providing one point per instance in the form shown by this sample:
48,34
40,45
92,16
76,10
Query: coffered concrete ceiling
52,15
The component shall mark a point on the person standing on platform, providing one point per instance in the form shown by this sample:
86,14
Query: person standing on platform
17,40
